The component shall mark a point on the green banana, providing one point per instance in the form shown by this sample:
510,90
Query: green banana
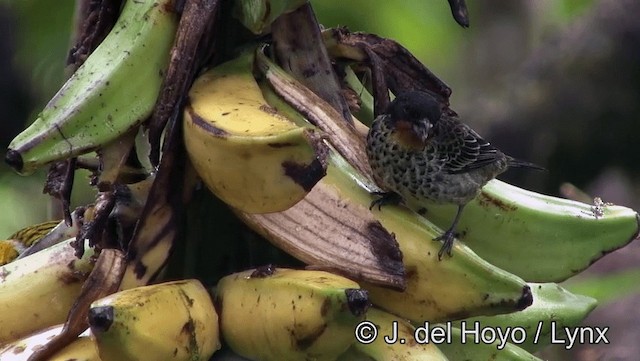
553,309
173,320
247,154
524,232
82,349
474,348
54,274
395,340
111,93
540,238
284,314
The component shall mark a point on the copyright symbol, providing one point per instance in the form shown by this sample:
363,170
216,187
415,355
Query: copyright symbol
366,332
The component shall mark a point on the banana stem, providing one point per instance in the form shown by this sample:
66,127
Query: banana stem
299,50
190,48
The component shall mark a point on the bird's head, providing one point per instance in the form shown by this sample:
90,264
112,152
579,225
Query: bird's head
412,115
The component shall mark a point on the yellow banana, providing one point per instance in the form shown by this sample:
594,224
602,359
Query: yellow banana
386,337
289,315
167,321
55,275
247,154
82,349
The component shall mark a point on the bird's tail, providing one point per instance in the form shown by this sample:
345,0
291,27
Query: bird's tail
517,163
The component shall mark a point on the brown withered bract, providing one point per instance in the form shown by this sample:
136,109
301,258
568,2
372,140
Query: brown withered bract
417,152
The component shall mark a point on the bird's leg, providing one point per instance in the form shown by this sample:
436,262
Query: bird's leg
449,235
384,199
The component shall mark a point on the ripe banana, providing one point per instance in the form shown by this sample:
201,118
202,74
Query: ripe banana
289,315
173,320
111,93
55,275
457,288
524,232
403,347
551,303
247,154
82,349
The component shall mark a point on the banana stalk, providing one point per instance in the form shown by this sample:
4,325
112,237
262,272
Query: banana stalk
111,93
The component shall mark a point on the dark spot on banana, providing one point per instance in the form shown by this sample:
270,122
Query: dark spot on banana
526,299
188,327
486,200
263,271
422,211
140,269
308,340
386,249
200,122
410,272
280,144
14,160
101,318
357,300
326,305
268,109
225,113
306,176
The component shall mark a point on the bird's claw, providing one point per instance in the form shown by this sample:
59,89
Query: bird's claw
384,199
447,238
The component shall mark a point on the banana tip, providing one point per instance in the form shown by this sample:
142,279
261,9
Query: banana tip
526,299
14,159
100,318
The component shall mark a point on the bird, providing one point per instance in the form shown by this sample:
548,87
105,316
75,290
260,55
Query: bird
419,152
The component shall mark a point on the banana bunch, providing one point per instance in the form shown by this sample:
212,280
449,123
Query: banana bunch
271,149
134,325
463,287
111,93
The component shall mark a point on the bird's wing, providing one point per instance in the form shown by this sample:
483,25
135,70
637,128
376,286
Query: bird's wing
466,150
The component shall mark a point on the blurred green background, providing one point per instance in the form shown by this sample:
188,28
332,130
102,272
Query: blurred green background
556,82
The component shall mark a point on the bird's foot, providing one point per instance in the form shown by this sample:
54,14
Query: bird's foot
447,238
384,199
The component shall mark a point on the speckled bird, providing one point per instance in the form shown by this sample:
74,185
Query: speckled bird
417,152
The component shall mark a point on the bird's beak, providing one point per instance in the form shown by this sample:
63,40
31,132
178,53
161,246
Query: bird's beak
422,129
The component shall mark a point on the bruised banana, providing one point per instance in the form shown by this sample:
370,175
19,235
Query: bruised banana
82,349
167,321
537,237
111,93
247,154
460,287
554,309
55,275
289,315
